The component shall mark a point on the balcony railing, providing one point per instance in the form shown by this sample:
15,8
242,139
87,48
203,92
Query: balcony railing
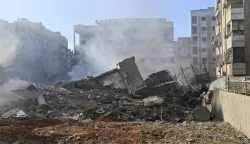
242,87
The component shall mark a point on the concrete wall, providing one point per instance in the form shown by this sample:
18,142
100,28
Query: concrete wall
233,108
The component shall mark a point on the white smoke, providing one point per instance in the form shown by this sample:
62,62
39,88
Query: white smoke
220,83
9,44
149,40
13,84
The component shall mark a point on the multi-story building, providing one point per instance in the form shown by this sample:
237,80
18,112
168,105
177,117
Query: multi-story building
183,56
230,43
40,55
203,32
247,34
183,46
183,51
151,41
70,59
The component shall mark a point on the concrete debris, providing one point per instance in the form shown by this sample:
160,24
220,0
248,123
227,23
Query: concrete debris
120,94
151,101
201,114
104,104
29,92
15,113
132,76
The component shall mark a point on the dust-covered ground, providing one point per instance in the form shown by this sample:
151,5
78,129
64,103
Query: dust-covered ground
53,131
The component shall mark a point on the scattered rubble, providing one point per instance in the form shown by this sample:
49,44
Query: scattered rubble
68,131
120,94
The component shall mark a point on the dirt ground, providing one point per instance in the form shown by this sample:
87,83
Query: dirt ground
52,131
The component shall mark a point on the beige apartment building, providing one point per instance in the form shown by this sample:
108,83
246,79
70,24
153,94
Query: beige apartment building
203,32
231,47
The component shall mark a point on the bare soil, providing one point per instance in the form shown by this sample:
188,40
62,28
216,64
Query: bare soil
52,131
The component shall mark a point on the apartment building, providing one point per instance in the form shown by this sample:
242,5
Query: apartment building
150,40
203,23
40,55
230,38
247,34
183,51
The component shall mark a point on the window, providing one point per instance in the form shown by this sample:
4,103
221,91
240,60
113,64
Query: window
213,28
228,28
189,54
204,49
212,38
195,60
194,29
214,59
213,18
238,25
194,19
194,39
203,29
203,18
195,50
204,39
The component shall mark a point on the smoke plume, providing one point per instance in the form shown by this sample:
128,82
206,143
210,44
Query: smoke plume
149,40
9,44
5,89
220,83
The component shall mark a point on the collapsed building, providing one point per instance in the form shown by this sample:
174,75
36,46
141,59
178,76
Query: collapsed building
119,94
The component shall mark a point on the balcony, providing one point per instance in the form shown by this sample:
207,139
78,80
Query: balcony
235,11
237,69
235,41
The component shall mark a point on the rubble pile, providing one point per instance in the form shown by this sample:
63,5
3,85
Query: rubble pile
105,103
119,94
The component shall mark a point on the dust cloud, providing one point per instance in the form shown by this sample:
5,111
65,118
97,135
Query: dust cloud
220,83
5,89
8,44
149,40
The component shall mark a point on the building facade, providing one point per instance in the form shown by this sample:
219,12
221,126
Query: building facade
183,51
230,38
183,46
151,41
247,34
40,55
203,32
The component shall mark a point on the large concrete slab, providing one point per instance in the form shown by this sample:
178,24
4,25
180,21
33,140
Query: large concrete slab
132,76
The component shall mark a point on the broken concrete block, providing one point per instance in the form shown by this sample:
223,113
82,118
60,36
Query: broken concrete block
132,76
151,101
112,78
201,114
41,100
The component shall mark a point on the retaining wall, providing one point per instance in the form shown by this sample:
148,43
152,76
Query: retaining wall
233,108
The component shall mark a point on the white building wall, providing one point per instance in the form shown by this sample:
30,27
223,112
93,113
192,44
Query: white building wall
203,32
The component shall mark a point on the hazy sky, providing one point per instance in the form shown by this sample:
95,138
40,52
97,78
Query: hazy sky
61,15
